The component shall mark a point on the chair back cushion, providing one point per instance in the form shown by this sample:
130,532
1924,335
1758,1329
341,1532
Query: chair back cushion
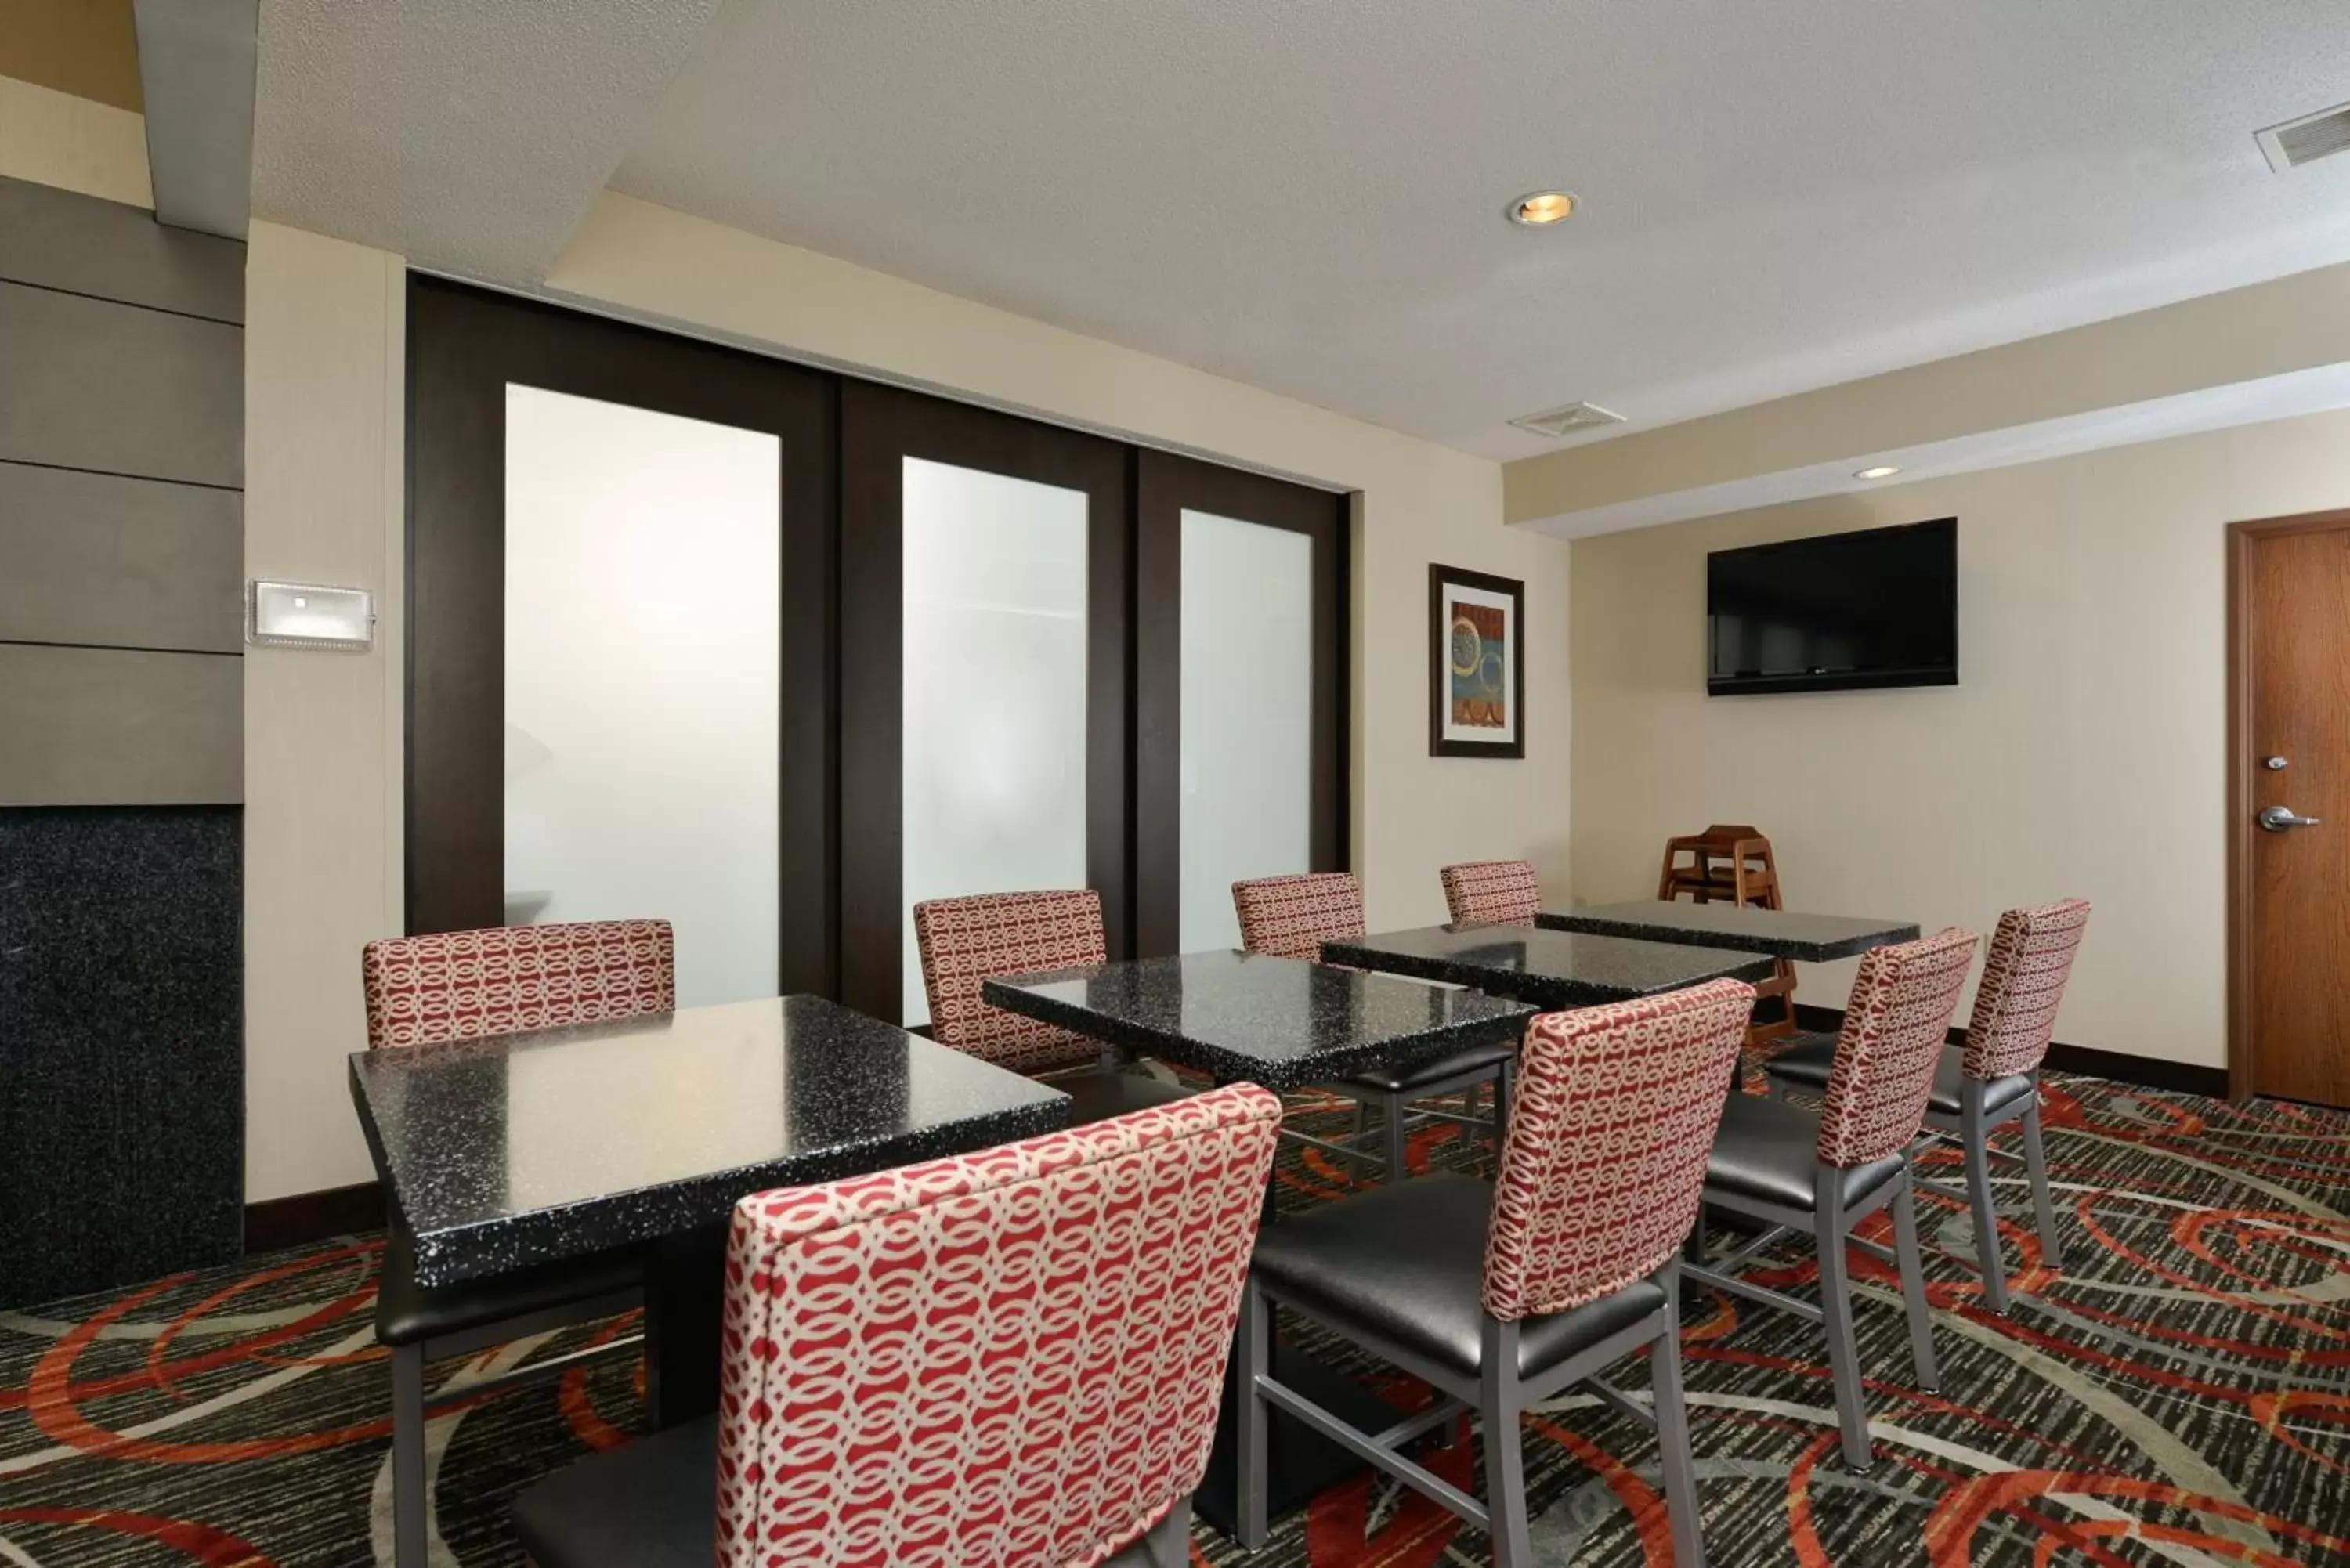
464,985
1613,1115
965,941
2022,983
1008,1357
1894,1026
1499,891
1292,917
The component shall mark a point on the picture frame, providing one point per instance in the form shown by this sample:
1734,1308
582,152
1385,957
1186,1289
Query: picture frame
1476,664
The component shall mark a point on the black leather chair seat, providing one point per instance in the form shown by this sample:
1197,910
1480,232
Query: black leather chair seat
1419,1078
1405,1263
651,1503
1807,1061
1769,1151
406,1311
1098,1096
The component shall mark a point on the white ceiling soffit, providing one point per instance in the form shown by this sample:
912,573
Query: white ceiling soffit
466,134
196,61
1307,196
2207,409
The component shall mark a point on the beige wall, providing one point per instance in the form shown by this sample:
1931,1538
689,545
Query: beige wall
2082,753
323,758
54,139
323,504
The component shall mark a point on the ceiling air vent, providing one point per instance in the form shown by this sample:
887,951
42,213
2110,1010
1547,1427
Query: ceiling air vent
1567,421
2306,139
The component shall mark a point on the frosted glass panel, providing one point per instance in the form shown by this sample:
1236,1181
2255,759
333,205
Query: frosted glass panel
643,681
1248,715
994,690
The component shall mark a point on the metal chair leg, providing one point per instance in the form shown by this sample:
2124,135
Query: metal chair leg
1975,1141
1912,1264
1391,1106
1844,1347
2043,1203
1505,1453
1249,1364
407,1495
1503,1086
1168,1543
1671,1401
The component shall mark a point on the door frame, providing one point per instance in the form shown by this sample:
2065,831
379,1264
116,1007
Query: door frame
880,427
2242,957
1166,485
464,346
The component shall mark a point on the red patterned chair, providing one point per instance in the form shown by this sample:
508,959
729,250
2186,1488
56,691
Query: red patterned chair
1780,1164
1990,1080
1009,1359
966,941
1501,892
1506,1295
467,985
1292,917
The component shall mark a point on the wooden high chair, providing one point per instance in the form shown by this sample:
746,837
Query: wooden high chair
1730,863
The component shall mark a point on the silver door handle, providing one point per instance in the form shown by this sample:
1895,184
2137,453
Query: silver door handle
2277,818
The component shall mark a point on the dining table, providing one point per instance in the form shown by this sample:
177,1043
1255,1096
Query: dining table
1782,933
1554,969
1287,1024
517,1150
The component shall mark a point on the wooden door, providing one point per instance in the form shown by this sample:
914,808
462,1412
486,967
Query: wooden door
2292,807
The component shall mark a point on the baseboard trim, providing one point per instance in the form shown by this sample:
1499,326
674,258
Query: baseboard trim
2118,1067
306,1218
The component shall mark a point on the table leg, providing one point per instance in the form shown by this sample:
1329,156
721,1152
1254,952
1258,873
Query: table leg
685,1293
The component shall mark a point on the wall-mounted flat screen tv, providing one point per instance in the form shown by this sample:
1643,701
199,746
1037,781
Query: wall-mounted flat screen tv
1836,613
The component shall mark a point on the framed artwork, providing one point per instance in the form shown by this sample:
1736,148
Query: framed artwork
1477,654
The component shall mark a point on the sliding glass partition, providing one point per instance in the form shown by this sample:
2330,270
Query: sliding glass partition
985,672
993,713
773,654
643,681
621,637
1240,693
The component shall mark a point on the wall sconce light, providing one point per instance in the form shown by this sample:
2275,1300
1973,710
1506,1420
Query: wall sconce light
308,615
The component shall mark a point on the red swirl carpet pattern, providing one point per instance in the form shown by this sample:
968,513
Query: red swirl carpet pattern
2178,1394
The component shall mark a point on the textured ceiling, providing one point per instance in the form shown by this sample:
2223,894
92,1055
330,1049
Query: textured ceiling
467,134
1306,194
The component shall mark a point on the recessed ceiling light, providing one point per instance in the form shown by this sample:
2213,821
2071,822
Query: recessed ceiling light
1540,209
1884,470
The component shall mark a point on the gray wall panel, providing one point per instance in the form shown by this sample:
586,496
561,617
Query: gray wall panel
85,726
85,383
125,563
63,240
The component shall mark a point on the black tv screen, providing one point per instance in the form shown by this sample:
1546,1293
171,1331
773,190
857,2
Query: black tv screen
1836,613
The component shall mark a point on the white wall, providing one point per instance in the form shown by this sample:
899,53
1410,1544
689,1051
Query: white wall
323,504
2082,753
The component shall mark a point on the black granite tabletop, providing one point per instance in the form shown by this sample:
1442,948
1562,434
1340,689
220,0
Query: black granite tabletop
1556,969
530,1147
1277,1021
1782,933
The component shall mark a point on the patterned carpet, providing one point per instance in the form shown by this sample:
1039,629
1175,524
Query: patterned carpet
2179,1393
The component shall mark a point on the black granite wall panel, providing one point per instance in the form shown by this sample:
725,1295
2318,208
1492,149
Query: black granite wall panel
121,1053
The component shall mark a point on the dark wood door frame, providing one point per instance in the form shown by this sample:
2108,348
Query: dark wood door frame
2243,955
464,346
1165,487
880,427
